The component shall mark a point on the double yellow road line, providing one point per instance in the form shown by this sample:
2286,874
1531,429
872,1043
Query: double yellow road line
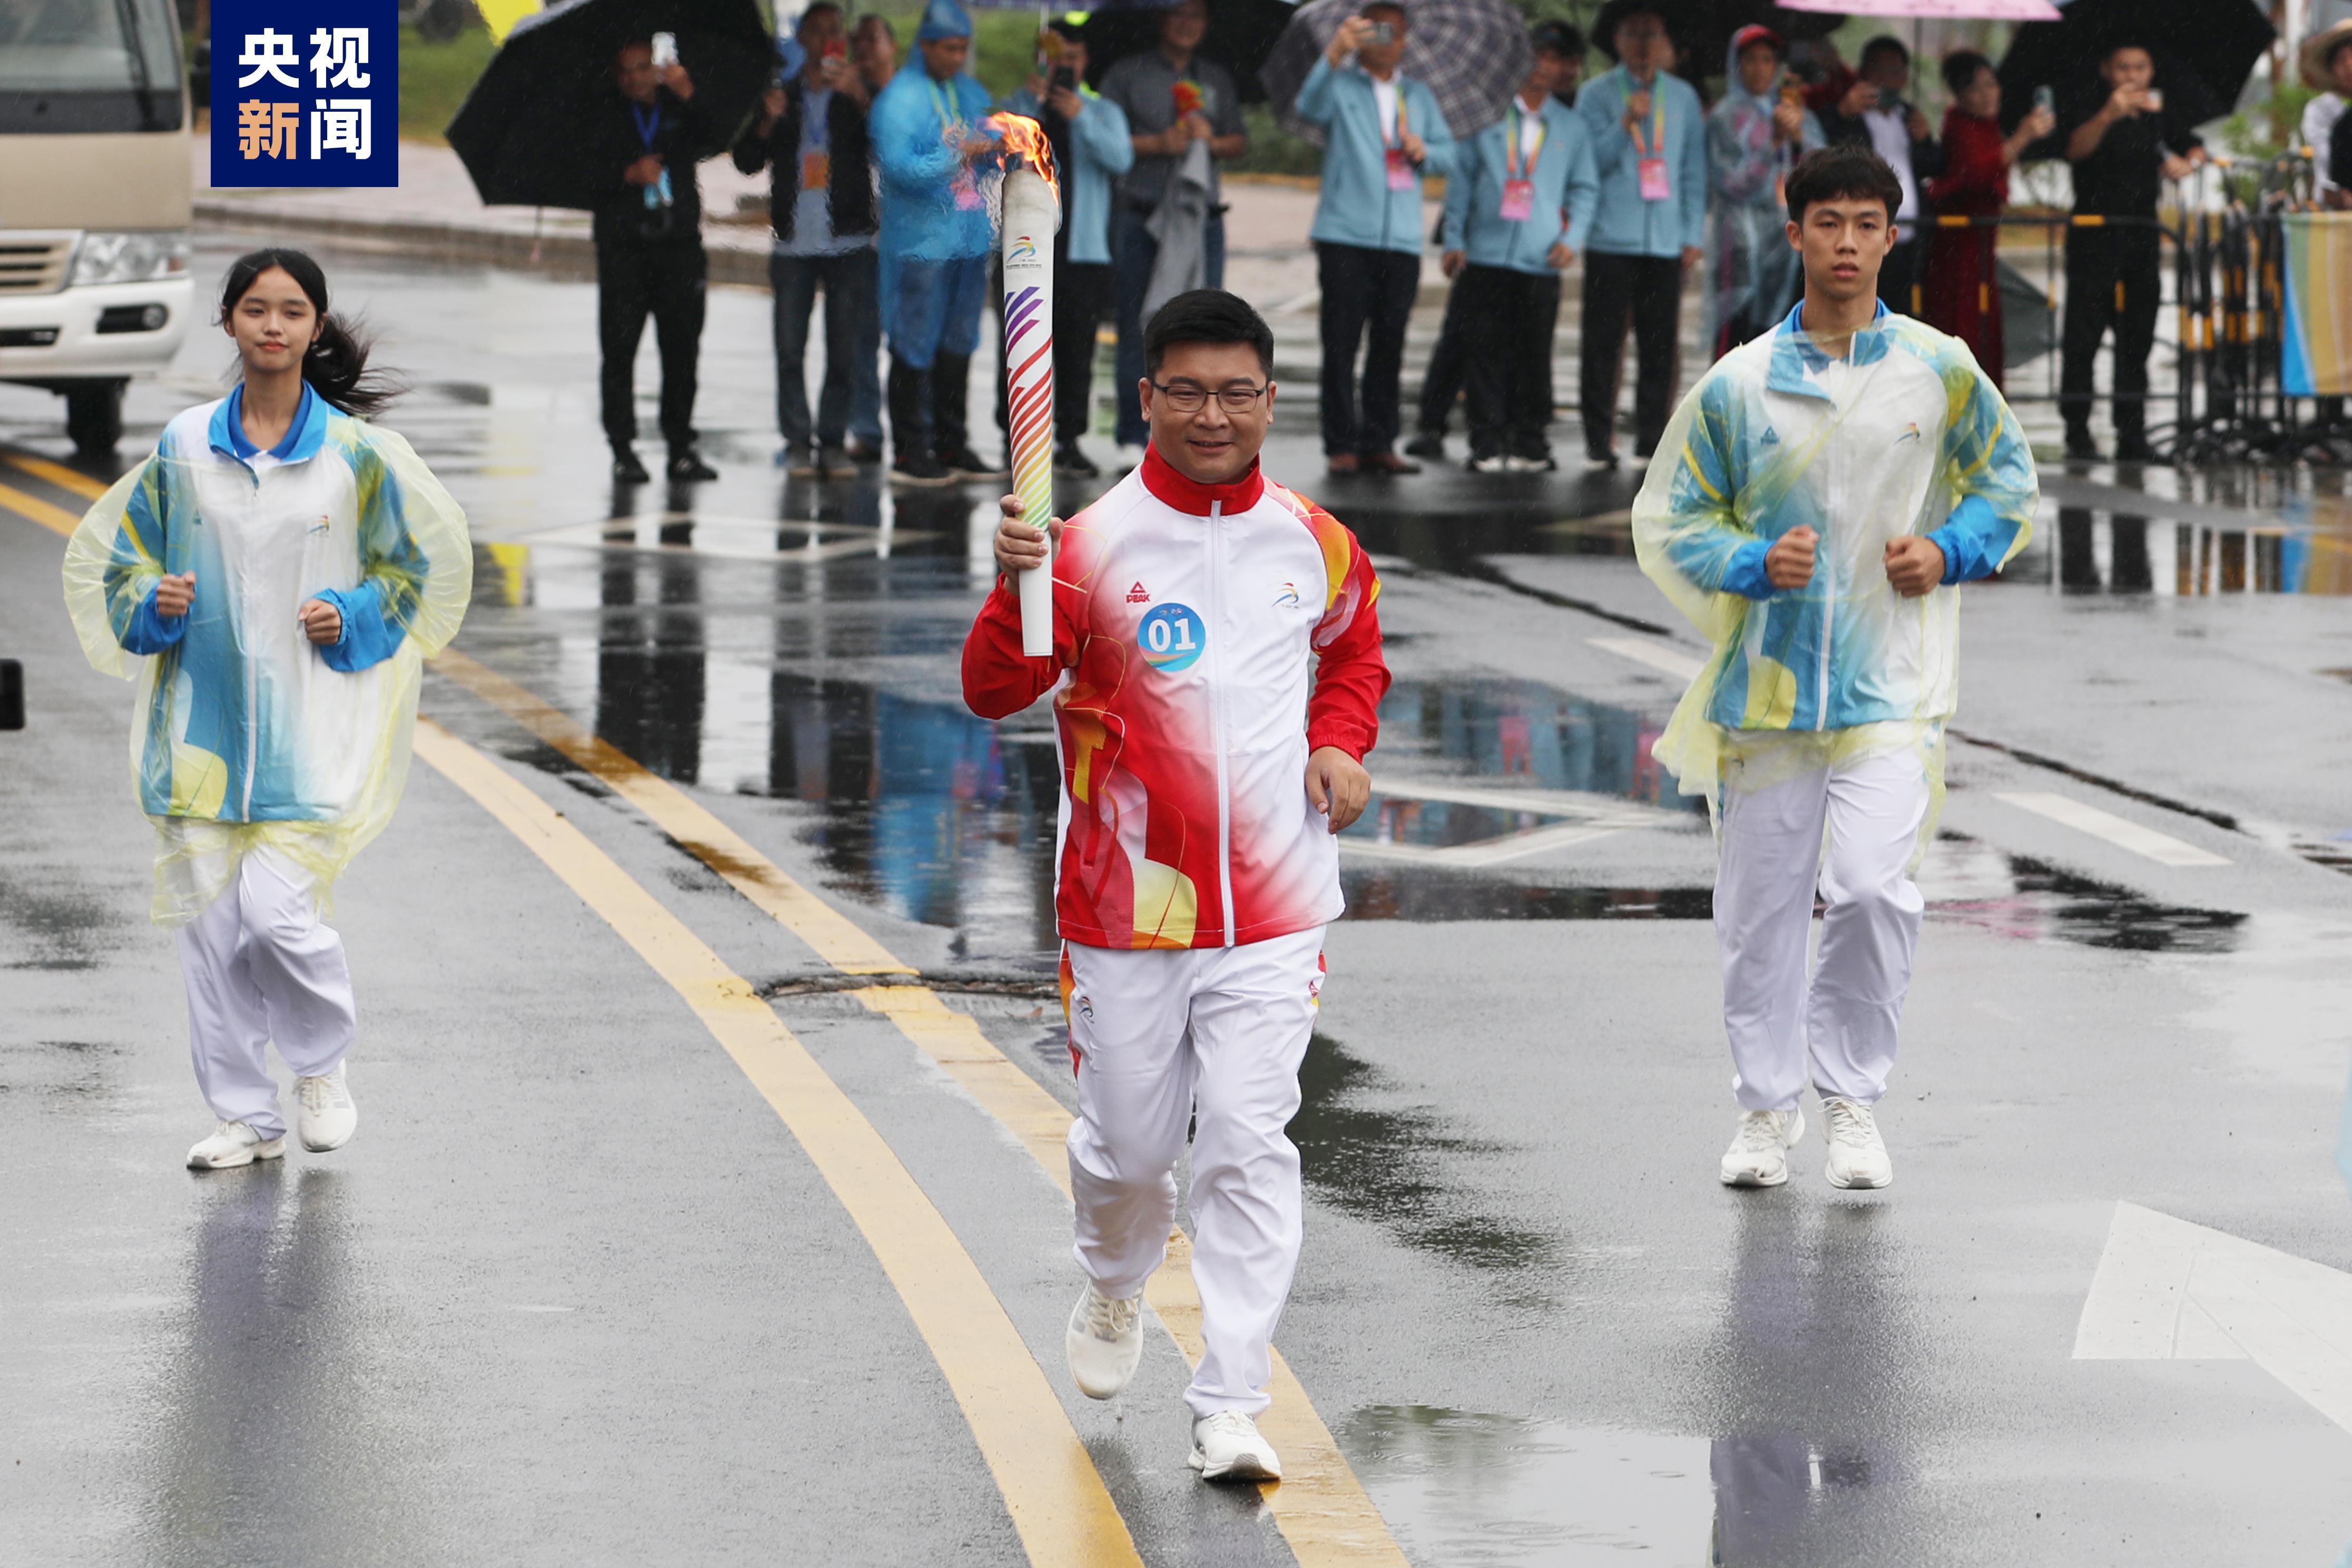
1057,1499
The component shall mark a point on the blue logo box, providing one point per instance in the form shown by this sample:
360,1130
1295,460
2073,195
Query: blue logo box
306,94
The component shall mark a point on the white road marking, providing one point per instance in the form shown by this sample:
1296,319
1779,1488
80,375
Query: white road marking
2169,1290
1658,656
2160,848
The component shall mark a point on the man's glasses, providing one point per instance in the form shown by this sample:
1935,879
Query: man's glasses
1185,397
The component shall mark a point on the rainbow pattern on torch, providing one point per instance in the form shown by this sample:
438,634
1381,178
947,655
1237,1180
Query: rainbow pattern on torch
1029,392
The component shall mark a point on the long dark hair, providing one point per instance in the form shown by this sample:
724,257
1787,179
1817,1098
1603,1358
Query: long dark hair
336,365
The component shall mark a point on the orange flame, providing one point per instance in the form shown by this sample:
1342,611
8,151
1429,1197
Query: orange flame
1024,138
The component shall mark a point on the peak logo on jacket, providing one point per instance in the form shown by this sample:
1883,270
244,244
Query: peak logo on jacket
1136,595
1170,637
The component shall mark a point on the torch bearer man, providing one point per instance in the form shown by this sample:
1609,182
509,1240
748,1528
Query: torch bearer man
1216,673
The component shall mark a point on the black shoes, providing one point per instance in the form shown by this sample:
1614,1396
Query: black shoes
966,464
1073,463
1429,443
2081,448
920,469
626,470
2135,449
685,467
864,452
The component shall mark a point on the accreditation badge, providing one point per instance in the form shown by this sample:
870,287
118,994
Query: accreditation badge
1518,200
816,170
1652,174
1401,176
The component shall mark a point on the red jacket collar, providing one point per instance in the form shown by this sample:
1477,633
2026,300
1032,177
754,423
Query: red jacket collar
1160,478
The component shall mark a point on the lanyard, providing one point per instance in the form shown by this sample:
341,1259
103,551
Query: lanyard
1511,143
1657,120
648,118
949,119
1388,140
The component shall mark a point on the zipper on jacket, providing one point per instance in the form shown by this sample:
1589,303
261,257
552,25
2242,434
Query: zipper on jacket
1216,639
1825,572
252,683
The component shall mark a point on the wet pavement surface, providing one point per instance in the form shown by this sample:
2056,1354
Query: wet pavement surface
573,1294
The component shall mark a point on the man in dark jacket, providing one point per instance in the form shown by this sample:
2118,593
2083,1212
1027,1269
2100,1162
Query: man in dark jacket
811,135
1873,112
649,260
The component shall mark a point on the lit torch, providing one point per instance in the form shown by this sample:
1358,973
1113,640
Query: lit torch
1033,211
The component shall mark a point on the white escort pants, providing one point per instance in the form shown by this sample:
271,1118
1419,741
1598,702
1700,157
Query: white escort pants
1774,852
260,966
1157,1036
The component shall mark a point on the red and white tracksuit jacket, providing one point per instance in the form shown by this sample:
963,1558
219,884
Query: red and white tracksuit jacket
1206,639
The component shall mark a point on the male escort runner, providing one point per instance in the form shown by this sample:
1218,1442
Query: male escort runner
1216,677
1821,494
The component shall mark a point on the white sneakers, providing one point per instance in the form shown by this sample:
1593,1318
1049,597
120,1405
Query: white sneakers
1759,1155
1226,1447
1105,1342
1857,1153
234,1144
328,1117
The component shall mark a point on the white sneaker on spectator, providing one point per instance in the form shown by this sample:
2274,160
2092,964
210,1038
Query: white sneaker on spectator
328,1117
1127,459
234,1144
1493,463
1532,465
1104,1341
1226,1447
1759,1155
1858,1156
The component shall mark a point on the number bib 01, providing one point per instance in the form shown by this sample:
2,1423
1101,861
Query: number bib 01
1170,637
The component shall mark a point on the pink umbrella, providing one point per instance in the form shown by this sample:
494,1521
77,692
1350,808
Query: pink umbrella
1937,10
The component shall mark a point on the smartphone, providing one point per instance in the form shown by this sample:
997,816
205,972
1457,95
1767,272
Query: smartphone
665,46
837,48
2043,99
1064,79
2155,98
1384,32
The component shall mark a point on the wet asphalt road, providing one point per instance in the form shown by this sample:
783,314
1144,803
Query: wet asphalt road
575,1293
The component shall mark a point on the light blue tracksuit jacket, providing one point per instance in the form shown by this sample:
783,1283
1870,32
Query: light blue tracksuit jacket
1625,225
1566,192
1103,149
1358,207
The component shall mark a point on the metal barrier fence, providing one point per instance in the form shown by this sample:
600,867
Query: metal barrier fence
2227,400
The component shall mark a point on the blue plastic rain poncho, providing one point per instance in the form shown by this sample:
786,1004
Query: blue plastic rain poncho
1752,273
245,732
1905,436
935,204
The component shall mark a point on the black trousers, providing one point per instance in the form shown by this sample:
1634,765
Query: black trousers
1898,277
1441,383
1647,290
1081,295
664,280
1509,317
1363,288
2114,280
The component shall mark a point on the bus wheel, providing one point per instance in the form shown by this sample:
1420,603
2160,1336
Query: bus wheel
94,417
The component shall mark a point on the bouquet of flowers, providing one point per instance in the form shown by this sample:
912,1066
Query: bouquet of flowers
1188,99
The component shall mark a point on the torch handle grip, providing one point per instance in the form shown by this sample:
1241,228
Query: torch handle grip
1037,585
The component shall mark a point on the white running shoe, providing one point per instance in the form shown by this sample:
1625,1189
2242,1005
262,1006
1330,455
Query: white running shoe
234,1144
1857,1153
1105,1342
328,1117
1759,1155
1126,458
1226,1447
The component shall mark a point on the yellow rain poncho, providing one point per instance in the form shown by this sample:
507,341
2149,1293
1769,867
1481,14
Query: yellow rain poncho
245,732
1902,436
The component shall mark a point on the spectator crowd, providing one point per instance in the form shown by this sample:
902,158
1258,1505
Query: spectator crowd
876,171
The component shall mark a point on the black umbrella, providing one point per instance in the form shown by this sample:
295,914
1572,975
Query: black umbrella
1241,34
2204,51
539,104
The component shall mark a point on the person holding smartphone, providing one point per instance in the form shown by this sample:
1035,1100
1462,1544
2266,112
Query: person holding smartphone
2123,143
1962,295
1875,113
649,256
810,134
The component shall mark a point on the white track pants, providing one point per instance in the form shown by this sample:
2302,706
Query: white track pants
260,967
1774,852
1159,1035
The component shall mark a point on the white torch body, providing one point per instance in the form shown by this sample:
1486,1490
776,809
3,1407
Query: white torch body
1032,214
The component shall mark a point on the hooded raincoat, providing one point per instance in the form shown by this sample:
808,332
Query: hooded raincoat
246,733
1753,275
934,203
1903,435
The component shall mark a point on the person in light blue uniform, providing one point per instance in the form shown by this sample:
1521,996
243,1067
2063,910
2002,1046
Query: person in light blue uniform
933,149
1517,211
1092,148
1383,134
1649,146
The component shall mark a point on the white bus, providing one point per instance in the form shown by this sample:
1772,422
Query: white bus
94,185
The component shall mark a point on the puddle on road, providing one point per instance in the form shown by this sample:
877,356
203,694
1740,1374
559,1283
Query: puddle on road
2303,547
1462,1486
1523,733
1388,1166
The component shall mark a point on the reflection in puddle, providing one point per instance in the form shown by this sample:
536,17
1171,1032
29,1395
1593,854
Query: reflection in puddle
1526,733
1386,1166
1411,893
1460,1486
1440,823
2306,550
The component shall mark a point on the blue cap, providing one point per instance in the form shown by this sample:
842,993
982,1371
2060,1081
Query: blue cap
943,19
